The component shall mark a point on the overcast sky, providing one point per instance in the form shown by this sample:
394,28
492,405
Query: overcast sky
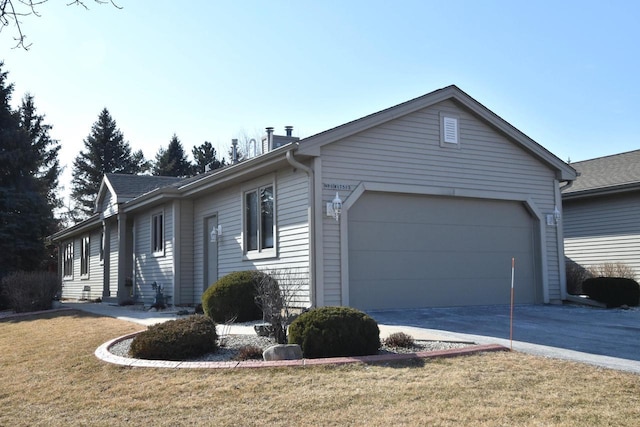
563,72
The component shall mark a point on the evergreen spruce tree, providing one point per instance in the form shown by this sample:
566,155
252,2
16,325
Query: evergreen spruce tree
205,156
29,171
172,161
106,151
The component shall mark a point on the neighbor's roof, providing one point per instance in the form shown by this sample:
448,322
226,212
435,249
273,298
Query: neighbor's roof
130,186
618,172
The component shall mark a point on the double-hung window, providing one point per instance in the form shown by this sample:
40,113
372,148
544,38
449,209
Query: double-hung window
157,234
84,256
67,260
259,225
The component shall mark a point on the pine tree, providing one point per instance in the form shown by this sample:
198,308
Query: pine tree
29,171
205,156
106,151
172,161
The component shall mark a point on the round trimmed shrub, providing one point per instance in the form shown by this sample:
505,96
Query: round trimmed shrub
176,339
234,295
613,291
335,331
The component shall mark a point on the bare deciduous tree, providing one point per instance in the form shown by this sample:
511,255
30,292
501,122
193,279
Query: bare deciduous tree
12,12
279,297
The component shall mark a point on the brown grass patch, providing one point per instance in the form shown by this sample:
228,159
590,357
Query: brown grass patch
51,377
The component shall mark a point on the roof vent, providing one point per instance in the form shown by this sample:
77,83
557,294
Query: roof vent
450,130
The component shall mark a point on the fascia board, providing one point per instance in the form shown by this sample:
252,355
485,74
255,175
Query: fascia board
78,228
241,171
602,191
311,146
226,175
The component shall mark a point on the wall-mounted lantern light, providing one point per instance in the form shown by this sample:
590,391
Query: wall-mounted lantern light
216,233
334,208
554,218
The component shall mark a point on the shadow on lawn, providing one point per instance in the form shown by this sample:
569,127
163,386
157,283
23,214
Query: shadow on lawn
47,314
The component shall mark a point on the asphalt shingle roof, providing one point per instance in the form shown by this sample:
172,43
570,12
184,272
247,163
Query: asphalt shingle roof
606,172
131,186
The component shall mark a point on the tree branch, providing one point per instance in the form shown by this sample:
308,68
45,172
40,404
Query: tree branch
12,10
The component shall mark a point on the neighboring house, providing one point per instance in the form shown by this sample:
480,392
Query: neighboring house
438,195
602,211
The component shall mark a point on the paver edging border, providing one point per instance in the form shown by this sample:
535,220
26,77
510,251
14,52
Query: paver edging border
105,355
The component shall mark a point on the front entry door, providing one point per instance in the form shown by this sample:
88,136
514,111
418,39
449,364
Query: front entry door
210,251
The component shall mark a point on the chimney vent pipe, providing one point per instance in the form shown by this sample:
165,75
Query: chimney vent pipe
288,130
234,151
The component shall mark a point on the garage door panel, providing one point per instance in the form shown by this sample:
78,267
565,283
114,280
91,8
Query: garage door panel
436,293
402,209
439,255
435,265
414,237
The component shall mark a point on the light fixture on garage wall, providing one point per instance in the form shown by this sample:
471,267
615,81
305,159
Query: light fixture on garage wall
334,208
554,218
216,233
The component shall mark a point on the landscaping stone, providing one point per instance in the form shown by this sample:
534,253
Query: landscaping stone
282,352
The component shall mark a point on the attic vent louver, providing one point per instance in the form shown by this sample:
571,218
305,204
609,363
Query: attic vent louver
450,130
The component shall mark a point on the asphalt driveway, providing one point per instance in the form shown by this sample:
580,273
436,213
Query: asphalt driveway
606,337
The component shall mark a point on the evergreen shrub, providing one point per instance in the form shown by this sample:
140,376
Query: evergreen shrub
613,291
178,339
335,331
233,296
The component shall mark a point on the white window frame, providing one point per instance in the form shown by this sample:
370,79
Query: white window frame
449,130
261,251
157,239
85,256
67,261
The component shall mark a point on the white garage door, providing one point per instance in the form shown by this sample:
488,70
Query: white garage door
409,251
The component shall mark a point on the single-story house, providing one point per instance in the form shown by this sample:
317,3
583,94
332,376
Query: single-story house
422,204
602,211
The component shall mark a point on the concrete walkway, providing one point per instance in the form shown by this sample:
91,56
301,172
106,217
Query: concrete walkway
606,338
137,314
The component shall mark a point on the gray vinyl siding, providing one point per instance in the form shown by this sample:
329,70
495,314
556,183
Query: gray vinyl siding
292,230
73,288
113,259
603,230
108,208
148,266
186,285
407,151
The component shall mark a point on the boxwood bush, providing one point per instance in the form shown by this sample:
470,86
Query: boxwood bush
176,339
613,291
234,295
335,331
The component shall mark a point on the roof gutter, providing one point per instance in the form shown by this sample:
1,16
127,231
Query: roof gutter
311,219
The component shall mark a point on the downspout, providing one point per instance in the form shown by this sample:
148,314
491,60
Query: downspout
560,238
311,218
566,186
